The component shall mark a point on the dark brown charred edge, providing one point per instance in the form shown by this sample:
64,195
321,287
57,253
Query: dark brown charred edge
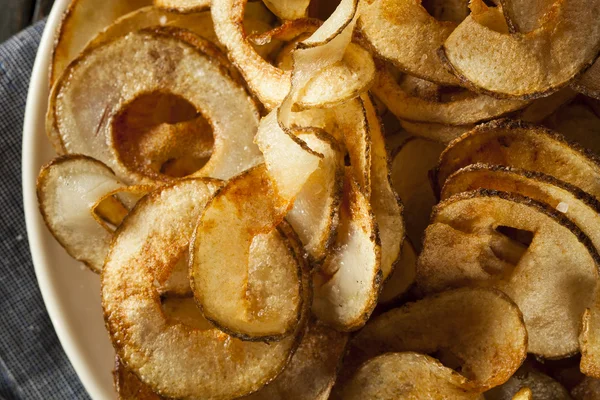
367,44
384,73
509,125
352,367
288,31
543,208
334,213
586,90
58,34
119,346
40,184
368,143
513,27
303,45
388,165
464,81
540,177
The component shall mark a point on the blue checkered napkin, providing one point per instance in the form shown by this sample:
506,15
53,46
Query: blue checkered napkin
32,363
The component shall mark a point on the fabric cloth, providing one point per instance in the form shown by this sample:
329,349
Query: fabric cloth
32,362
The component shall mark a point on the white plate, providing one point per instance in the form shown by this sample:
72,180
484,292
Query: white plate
70,291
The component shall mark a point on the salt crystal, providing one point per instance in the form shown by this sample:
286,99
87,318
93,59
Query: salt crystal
163,20
562,207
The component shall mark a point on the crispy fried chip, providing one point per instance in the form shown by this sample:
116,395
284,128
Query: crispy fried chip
525,248
128,386
578,122
347,285
82,20
288,9
409,376
486,58
438,132
410,177
461,107
253,298
183,6
402,32
81,116
67,189
589,83
525,15
520,145
173,359
479,332
588,389
311,373
589,340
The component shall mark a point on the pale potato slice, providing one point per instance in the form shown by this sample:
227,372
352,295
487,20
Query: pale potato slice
348,283
173,359
315,213
520,145
97,86
403,276
410,176
311,373
250,297
525,248
67,190
271,85
478,332
460,108
487,58
528,383
386,205
82,20
403,32
409,376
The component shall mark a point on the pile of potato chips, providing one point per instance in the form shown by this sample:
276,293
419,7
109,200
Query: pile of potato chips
376,199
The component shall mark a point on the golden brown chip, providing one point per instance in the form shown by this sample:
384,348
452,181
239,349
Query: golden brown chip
577,122
540,109
478,332
589,83
527,249
459,107
437,132
404,33
183,6
525,146
525,15
588,389
311,373
589,340
409,376
128,386
172,358
487,58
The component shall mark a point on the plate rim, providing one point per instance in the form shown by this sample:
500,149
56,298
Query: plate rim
35,107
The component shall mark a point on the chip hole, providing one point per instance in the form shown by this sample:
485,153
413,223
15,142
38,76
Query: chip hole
508,245
183,310
162,136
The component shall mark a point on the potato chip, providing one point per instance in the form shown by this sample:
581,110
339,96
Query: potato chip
288,9
579,123
406,375
588,389
479,332
509,65
172,358
527,249
402,277
525,146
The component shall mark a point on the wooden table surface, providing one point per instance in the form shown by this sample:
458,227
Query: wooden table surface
16,15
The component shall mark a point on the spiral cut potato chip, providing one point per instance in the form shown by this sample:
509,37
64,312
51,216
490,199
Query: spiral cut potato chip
520,145
479,332
487,58
271,84
81,117
530,251
82,201
172,358
459,108
406,375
